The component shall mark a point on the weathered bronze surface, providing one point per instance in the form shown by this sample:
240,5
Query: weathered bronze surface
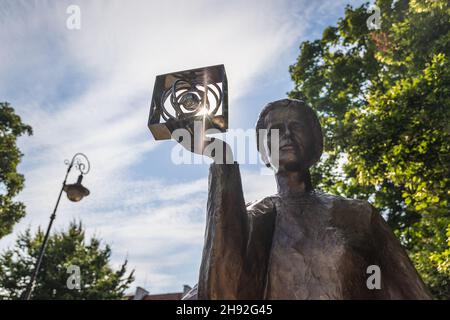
298,243
298,246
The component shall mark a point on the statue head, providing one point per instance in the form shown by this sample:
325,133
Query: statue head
300,135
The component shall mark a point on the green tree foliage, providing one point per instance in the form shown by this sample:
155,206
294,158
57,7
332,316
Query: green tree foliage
384,99
65,249
11,182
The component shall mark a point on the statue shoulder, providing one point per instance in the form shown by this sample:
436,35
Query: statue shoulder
360,211
263,206
347,203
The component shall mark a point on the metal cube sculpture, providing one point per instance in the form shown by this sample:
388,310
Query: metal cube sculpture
187,96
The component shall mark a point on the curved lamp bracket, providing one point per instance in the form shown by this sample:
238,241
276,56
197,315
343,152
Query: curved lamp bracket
81,162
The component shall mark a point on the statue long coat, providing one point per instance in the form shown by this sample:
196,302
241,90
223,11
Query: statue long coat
304,246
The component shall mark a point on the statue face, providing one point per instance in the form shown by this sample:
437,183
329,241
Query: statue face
295,139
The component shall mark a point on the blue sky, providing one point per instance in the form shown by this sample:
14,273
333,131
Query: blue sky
89,91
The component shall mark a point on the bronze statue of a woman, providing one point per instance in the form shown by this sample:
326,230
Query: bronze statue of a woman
299,243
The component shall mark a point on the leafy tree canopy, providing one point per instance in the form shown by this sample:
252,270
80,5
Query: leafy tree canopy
384,100
11,182
66,252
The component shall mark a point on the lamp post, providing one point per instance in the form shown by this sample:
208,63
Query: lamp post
75,192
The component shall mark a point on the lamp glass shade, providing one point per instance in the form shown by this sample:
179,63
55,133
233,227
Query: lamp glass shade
75,192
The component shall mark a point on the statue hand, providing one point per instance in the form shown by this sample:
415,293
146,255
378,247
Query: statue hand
199,143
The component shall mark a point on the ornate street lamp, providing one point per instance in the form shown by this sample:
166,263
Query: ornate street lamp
75,192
